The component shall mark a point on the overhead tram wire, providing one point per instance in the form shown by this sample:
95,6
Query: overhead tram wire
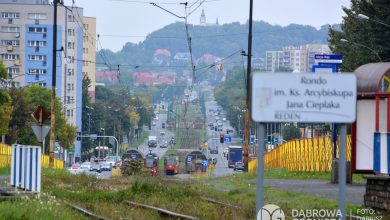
199,37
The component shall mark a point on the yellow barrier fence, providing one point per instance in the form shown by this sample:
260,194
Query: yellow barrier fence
307,155
6,152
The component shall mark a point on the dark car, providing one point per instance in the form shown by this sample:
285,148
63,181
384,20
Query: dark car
238,166
214,151
96,168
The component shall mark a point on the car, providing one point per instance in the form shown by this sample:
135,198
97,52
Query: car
154,124
214,151
95,167
164,145
85,166
162,133
105,166
239,166
111,160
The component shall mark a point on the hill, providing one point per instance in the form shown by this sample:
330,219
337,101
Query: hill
218,40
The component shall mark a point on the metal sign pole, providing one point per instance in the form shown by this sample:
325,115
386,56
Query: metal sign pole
342,169
260,167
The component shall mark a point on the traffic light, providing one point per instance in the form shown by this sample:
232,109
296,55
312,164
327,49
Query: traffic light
78,136
221,138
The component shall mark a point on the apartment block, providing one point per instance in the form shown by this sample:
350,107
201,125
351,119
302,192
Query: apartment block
26,48
294,58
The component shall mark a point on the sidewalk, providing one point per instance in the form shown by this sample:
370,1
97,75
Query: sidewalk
321,188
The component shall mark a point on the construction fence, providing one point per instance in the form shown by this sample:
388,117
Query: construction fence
305,155
6,153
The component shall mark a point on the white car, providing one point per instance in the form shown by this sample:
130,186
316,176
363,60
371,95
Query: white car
86,166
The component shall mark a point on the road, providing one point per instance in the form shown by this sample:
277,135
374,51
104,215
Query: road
213,139
163,135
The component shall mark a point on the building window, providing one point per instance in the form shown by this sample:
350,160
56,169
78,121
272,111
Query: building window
71,18
33,43
37,57
10,42
7,56
10,15
85,50
37,30
8,29
71,32
86,38
85,62
12,71
37,71
39,16
71,45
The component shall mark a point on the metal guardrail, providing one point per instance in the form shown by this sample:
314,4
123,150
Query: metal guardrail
6,152
306,155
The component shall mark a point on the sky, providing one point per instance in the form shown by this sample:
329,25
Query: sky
121,21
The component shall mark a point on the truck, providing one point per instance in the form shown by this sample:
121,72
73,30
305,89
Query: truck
234,155
152,141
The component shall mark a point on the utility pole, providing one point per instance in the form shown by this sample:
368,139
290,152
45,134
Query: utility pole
248,89
53,88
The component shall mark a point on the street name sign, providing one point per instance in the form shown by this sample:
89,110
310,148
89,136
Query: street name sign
303,97
228,139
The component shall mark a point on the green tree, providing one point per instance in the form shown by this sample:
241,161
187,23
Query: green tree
26,101
367,40
290,132
5,104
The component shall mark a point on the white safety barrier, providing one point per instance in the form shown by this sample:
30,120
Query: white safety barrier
26,167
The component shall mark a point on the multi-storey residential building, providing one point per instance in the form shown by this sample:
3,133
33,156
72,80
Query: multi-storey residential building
89,53
297,59
26,28
273,60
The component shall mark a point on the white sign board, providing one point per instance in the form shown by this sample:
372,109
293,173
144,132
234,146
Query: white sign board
303,97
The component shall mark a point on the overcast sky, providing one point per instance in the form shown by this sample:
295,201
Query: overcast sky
121,21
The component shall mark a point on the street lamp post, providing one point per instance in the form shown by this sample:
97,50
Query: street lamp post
362,45
365,17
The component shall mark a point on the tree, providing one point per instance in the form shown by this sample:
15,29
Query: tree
365,41
5,104
290,132
25,101
66,136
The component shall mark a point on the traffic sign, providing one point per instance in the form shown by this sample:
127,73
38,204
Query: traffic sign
205,163
40,114
228,139
328,57
282,97
40,131
252,139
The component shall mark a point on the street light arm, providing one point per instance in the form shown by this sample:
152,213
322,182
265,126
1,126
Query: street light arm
362,45
365,17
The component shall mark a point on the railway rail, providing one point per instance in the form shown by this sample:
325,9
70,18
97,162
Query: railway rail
161,210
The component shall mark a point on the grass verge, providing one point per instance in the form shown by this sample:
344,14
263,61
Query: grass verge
279,173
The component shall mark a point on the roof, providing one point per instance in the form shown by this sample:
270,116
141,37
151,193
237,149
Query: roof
369,76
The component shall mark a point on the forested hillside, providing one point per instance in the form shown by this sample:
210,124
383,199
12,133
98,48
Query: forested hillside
218,40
